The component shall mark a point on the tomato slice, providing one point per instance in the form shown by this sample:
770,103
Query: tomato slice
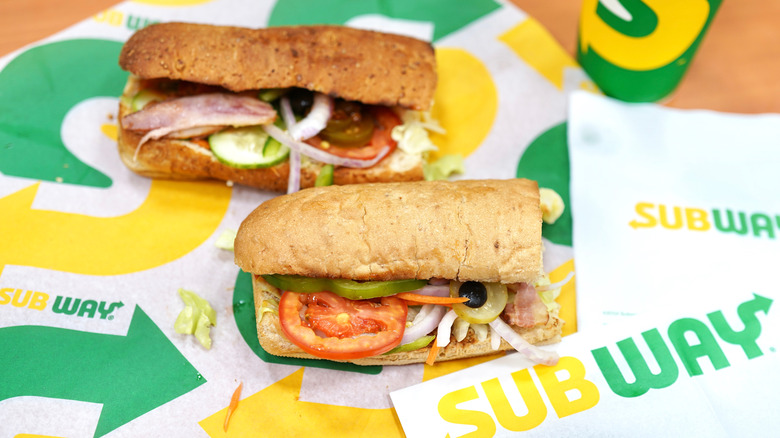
385,120
326,325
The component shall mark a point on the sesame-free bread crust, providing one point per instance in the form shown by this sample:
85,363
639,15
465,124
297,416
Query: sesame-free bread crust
480,230
354,64
273,341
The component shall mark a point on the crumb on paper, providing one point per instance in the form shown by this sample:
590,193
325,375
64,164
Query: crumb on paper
58,179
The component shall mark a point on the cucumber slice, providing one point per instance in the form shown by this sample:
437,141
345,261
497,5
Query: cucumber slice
143,98
247,148
325,177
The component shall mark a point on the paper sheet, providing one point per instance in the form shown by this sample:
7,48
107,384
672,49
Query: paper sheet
679,373
671,207
92,255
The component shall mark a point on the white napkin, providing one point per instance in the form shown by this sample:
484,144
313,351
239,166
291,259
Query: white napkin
656,194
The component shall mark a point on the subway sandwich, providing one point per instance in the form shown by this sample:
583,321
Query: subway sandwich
400,273
276,108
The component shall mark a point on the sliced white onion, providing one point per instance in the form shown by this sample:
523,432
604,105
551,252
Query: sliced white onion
555,285
434,290
445,328
533,353
438,281
425,322
319,154
495,338
294,180
315,121
287,113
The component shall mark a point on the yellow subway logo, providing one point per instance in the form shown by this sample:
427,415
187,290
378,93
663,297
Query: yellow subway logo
576,385
552,386
723,220
116,18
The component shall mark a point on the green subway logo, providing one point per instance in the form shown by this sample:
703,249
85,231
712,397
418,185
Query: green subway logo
78,307
723,220
681,333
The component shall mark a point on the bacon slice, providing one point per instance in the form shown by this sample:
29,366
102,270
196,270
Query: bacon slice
527,309
185,115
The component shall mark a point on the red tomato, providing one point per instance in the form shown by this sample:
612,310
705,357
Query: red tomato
386,119
326,325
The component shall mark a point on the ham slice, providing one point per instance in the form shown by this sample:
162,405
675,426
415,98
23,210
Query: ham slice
198,114
527,309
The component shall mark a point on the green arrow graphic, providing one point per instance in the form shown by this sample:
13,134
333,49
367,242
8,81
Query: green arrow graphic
130,375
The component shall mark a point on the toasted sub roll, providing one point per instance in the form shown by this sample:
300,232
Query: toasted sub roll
485,231
172,60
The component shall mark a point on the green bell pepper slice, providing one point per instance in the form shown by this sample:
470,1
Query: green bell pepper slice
414,345
354,290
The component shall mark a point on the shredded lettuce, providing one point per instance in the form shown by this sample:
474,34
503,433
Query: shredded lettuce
196,318
412,134
548,297
444,167
412,138
226,239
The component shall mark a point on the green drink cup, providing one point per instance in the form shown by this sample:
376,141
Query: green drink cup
639,50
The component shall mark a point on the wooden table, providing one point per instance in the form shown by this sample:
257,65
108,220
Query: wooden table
737,67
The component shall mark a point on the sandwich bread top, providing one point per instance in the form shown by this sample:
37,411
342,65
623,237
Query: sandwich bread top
480,230
366,66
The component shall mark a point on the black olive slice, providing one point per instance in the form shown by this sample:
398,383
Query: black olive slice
475,292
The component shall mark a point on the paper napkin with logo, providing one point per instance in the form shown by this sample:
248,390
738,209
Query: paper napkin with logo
671,208
703,371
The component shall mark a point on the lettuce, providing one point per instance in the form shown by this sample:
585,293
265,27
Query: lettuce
196,319
444,167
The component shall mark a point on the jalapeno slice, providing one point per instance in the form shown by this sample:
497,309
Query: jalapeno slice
354,290
348,125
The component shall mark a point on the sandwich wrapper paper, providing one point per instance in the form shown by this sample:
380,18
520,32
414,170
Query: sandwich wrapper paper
92,256
675,241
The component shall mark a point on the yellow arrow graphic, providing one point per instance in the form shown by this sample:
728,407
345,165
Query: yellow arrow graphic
174,219
276,412
679,23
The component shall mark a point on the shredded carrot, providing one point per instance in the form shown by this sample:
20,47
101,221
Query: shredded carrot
432,353
425,299
233,405
418,303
